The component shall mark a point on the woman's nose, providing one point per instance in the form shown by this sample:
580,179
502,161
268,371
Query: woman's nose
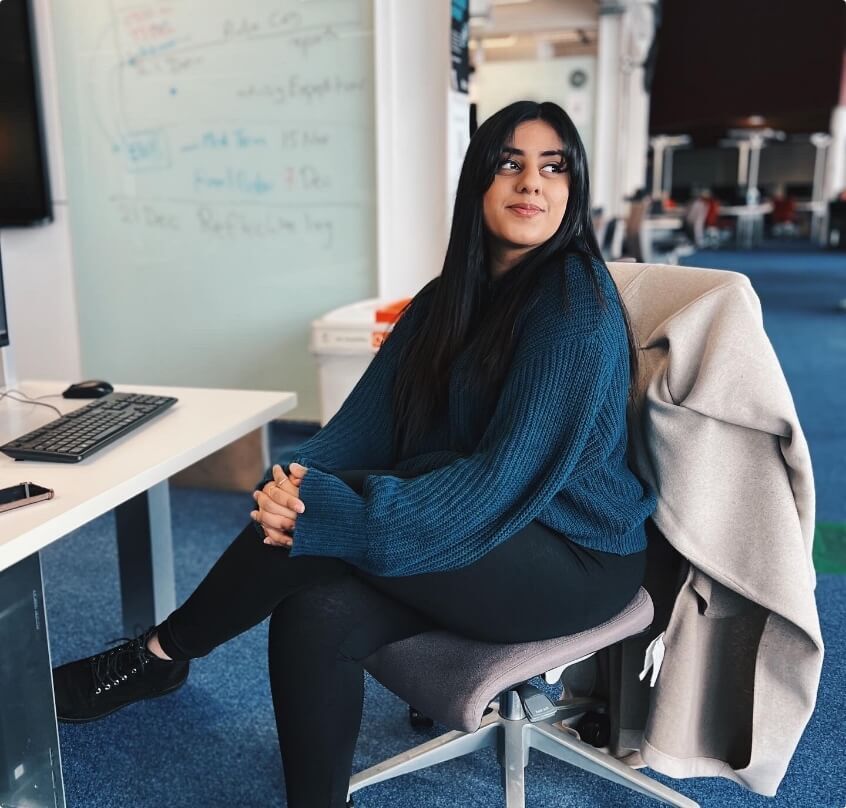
528,183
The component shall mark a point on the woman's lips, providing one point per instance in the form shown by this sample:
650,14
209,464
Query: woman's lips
526,211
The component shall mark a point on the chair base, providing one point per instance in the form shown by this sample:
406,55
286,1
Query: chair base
508,730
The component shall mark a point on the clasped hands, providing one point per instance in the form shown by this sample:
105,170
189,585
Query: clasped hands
279,505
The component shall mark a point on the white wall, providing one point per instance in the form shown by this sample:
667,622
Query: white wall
498,84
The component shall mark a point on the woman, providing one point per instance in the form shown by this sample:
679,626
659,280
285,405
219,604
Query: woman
498,503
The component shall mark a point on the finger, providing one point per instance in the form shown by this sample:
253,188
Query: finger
277,501
282,499
284,494
289,484
273,536
291,481
276,521
277,538
297,470
280,480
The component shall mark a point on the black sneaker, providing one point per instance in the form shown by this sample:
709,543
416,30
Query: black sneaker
93,687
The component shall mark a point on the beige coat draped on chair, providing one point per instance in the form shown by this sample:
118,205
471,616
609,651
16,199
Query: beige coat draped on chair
717,437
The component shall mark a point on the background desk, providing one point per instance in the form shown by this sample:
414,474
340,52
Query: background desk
131,476
750,221
653,226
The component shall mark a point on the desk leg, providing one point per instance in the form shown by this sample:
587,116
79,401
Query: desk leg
145,558
30,763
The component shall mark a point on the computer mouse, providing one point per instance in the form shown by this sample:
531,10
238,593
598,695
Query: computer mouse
93,388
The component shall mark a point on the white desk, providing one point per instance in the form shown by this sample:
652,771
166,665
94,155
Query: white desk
819,219
131,476
750,221
663,221
652,226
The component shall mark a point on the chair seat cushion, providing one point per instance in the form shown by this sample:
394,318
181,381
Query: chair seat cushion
453,679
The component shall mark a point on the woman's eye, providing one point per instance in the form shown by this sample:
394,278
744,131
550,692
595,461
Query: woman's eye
556,168
508,165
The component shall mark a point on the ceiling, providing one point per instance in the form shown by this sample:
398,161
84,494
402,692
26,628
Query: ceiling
513,29
498,17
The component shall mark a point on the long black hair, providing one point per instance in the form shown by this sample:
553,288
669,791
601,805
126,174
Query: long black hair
468,307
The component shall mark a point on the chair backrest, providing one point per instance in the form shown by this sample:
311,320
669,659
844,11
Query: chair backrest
638,210
652,294
695,220
611,242
701,332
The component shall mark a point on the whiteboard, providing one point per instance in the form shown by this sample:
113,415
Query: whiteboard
221,183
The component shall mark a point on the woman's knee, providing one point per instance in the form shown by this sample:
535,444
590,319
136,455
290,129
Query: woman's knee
346,619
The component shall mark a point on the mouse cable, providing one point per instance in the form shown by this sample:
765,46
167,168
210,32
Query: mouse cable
27,400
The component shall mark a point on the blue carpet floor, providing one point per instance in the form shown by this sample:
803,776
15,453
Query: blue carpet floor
214,744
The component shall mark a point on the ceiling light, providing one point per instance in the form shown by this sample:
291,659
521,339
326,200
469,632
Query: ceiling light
499,41
560,36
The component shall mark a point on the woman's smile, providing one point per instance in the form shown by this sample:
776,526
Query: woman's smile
525,210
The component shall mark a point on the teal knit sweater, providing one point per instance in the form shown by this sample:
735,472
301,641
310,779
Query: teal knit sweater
553,450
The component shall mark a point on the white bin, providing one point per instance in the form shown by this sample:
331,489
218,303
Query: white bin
344,342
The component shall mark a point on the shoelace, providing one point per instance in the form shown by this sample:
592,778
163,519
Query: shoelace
118,664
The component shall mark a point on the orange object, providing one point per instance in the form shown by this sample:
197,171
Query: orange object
713,215
390,313
784,210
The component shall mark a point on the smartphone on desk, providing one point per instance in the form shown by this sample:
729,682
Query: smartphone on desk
16,496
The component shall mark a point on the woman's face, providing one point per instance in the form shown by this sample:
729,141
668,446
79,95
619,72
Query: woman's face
525,203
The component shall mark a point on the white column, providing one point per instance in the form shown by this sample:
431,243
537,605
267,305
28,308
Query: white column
753,195
663,147
626,29
657,166
819,214
415,122
835,179
605,179
821,142
742,163
835,173
639,31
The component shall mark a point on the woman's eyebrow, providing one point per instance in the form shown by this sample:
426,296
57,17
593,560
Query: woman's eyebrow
521,153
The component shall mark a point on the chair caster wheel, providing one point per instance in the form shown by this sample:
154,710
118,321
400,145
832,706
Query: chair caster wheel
418,720
594,728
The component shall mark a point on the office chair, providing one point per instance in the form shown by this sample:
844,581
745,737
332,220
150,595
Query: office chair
637,242
481,692
454,680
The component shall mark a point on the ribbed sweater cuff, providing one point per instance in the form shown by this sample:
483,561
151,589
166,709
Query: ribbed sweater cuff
333,521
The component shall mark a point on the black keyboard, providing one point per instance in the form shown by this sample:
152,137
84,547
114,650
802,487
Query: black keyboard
86,430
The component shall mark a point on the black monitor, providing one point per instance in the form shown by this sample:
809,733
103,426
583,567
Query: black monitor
24,186
4,329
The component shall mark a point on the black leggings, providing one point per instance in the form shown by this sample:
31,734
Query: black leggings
327,616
